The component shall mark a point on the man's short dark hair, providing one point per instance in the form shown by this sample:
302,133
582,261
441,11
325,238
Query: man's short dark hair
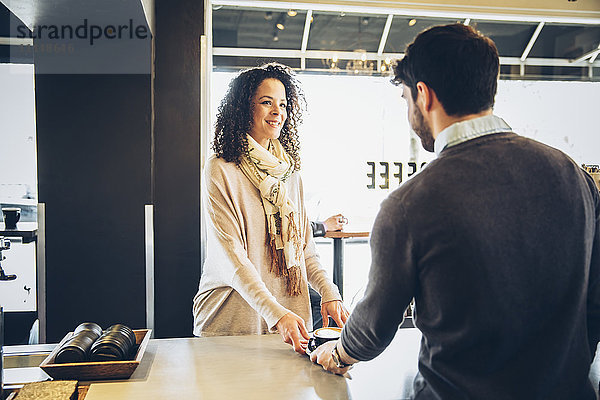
457,62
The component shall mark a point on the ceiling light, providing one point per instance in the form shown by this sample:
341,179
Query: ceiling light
280,22
268,15
292,13
412,22
361,65
365,21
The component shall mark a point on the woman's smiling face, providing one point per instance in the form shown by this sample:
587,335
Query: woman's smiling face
269,111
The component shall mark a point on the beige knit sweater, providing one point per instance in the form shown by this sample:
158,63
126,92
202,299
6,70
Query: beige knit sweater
237,294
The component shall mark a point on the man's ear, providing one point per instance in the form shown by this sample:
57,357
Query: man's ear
425,96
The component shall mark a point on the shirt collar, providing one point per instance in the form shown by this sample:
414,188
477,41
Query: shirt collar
462,131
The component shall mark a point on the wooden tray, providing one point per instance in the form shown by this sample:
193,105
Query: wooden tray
91,371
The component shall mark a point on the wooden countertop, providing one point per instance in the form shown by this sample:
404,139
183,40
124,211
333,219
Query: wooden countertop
346,234
259,367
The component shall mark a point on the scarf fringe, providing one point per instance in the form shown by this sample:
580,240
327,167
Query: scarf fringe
292,276
295,236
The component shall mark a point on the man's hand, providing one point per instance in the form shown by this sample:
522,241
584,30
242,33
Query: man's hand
322,356
336,310
335,222
292,330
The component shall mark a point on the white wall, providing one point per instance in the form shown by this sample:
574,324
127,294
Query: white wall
18,178
18,166
561,114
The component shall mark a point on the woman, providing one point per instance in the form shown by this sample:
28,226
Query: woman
261,253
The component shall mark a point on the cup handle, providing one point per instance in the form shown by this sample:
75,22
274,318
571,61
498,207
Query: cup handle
311,344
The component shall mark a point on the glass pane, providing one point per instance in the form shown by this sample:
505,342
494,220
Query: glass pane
257,28
345,31
511,38
404,29
558,73
566,41
236,63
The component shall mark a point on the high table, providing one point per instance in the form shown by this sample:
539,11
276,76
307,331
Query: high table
338,253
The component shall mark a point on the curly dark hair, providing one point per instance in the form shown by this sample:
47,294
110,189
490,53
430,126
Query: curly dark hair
234,117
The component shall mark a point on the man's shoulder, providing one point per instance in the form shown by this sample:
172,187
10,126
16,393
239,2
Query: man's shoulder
503,139
411,193
541,151
420,183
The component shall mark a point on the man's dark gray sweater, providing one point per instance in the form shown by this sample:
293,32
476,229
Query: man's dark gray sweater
498,241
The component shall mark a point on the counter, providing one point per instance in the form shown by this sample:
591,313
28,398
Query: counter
259,367
263,367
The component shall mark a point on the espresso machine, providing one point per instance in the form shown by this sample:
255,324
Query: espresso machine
4,245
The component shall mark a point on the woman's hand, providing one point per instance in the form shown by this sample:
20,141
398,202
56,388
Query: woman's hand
336,310
293,331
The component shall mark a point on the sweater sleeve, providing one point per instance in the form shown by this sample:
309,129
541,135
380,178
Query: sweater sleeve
225,223
318,228
593,301
375,319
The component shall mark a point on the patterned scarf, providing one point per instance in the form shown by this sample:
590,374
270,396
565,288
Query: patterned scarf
268,169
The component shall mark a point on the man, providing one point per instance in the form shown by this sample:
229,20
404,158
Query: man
498,241
334,223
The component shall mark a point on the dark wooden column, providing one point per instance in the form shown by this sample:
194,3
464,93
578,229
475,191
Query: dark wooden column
179,25
93,107
93,173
